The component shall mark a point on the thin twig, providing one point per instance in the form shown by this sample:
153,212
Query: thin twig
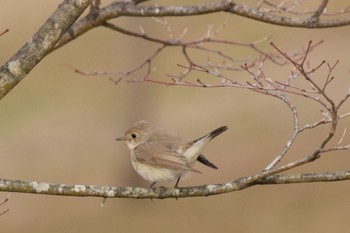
3,202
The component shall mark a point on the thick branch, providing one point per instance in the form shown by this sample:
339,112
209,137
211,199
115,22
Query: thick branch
128,8
163,192
306,178
40,44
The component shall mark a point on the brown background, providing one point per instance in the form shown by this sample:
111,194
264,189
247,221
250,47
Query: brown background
58,126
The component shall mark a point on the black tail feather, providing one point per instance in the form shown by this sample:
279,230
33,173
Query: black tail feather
213,134
205,161
218,131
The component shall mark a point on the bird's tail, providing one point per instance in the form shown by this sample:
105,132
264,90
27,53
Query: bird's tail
195,150
214,133
201,158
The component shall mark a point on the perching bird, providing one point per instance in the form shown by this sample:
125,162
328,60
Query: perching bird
158,155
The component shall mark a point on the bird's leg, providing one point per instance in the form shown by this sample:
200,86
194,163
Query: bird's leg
177,182
152,185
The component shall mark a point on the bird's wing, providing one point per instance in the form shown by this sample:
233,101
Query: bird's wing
171,141
157,155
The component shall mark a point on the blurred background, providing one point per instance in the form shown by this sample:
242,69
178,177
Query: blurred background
58,126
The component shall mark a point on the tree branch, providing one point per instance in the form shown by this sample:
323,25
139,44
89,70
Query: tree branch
163,192
40,44
132,9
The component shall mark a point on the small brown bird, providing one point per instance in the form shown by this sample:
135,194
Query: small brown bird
158,155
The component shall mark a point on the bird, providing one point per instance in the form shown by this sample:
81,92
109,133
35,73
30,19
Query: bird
158,155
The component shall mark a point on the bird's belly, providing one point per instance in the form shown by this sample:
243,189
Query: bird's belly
152,173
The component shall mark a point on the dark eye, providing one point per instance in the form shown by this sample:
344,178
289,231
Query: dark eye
134,135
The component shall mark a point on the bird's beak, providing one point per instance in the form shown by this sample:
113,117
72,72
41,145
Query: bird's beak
120,139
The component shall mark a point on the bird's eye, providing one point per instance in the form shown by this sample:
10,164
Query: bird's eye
133,135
